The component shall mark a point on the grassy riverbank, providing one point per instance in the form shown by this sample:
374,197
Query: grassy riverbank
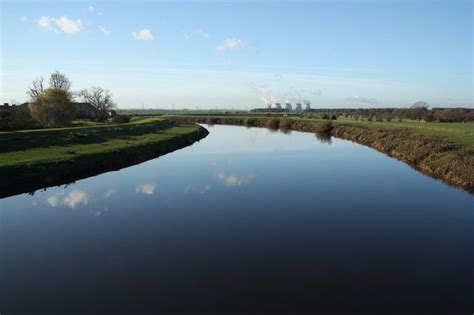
36,158
441,150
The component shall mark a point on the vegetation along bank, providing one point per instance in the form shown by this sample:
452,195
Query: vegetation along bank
441,150
33,159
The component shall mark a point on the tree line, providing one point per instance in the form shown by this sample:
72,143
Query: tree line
419,111
53,105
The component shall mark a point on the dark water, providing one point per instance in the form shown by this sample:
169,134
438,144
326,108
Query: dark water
245,220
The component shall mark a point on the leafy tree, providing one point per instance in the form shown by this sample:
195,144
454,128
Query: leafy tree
53,108
101,101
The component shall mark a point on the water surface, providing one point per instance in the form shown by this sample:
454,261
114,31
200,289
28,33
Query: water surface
246,219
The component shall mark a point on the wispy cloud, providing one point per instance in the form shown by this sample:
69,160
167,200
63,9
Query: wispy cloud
197,33
109,193
104,30
229,44
199,189
146,189
233,180
361,100
63,23
144,34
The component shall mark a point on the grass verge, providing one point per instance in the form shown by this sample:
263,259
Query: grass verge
35,159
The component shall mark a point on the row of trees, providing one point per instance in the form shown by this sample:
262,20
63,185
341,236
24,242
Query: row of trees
53,106
418,111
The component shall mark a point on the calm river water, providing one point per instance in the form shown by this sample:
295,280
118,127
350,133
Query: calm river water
246,219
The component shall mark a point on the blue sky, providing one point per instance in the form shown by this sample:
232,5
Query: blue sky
240,54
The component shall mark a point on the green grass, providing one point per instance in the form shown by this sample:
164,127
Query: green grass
28,147
461,133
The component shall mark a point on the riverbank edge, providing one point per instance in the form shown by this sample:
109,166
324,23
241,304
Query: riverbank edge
29,178
434,156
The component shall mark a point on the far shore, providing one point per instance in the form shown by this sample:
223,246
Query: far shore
441,150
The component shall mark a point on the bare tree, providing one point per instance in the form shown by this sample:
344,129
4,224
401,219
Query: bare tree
421,104
36,89
101,101
418,110
59,81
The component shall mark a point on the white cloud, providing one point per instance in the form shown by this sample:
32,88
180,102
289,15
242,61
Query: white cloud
232,180
75,197
68,25
147,189
44,21
91,8
230,44
72,199
53,201
144,34
104,30
62,23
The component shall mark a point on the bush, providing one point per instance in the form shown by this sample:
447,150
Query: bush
325,127
323,131
428,117
121,119
21,119
272,124
53,108
285,124
451,115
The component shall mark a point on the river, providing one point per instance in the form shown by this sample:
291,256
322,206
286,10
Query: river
246,219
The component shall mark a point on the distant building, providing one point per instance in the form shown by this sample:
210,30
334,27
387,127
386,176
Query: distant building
84,110
269,110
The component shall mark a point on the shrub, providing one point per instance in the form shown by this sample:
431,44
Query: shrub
323,131
285,124
121,119
451,115
53,108
428,117
21,119
272,124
